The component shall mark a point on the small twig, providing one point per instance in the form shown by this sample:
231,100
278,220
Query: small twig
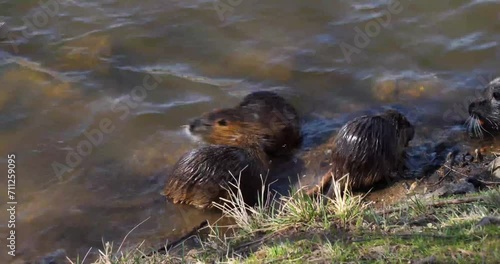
451,169
488,182
456,171
404,236
436,204
165,249
258,241
442,179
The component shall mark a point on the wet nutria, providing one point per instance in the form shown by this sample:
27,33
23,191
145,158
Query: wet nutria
369,149
203,175
484,115
266,110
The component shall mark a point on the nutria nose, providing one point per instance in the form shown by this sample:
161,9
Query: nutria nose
474,107
194,124
197,125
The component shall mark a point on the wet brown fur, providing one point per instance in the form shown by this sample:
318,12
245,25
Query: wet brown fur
368,149
202,176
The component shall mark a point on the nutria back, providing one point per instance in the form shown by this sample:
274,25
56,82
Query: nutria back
200,176
368,149
279,116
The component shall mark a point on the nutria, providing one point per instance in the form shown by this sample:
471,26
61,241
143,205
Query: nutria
484,115
203,176
369,149
266,110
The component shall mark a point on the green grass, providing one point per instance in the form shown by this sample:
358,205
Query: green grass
302,229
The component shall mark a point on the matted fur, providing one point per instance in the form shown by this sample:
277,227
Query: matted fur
369,149
202,176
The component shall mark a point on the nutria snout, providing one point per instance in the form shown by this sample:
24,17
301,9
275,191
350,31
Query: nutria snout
484,114
268,115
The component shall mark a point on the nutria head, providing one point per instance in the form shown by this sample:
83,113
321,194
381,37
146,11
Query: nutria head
404,128
484,115
261,113
230,127
371,148
203,176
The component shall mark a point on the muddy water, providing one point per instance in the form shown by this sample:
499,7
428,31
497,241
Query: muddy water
124,76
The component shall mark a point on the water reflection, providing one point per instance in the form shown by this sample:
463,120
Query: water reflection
60,79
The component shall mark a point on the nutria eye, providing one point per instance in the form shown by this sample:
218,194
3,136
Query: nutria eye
222,122
496,95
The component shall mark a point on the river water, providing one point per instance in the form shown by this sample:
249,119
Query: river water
93,94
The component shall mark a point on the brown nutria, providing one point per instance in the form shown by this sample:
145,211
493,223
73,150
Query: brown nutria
484,115
368,149
203,176
266,110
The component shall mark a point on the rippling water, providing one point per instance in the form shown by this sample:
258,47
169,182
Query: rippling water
66,67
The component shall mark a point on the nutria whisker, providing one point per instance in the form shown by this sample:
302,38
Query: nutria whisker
475,126
478,128
469,123
489,133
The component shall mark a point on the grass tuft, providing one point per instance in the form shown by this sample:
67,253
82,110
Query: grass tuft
297,229
298,209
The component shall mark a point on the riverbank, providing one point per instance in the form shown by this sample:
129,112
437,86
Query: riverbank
350,228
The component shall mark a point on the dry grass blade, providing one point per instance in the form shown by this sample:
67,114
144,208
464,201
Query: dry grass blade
346,206
129,232
235,207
